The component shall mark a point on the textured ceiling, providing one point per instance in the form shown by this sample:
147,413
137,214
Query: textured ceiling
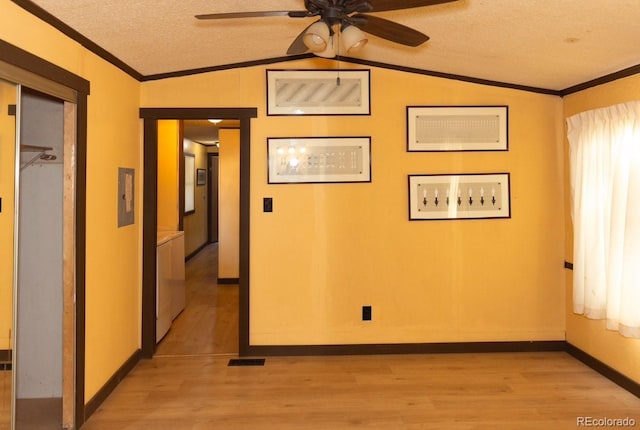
549,44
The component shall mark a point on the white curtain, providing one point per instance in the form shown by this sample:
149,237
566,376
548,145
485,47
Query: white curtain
605,190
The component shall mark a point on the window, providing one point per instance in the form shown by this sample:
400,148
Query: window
605,191
189,183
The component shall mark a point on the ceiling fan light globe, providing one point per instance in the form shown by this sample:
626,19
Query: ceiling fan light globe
316,37
357,46
314,43
353,39
329,51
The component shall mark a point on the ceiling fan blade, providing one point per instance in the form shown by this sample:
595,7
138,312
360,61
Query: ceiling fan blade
384,5
297,46
292,14
389,30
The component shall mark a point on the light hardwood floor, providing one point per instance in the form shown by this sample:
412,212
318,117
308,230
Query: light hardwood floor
209,323
507,391
5,399
193,388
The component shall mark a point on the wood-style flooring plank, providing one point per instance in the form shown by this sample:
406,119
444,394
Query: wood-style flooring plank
188,385
5,399
448,391
39,414
209,323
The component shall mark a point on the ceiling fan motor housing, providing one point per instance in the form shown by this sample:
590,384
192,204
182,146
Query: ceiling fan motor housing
337,11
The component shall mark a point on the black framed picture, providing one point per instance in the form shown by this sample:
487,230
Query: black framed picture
201,176
462,196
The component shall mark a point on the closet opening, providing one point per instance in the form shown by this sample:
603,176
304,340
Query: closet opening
47,100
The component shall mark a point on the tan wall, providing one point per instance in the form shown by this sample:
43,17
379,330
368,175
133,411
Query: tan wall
620,353
229,204
113,256
168,171
8,96
113,280
327,250
195,224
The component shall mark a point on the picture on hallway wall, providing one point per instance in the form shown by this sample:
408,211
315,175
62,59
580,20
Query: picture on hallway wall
318,92
463,196
457,128
201,176
319,159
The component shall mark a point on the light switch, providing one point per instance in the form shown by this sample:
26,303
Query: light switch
267,204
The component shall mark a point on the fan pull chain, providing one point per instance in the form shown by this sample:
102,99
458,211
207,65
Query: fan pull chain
338,56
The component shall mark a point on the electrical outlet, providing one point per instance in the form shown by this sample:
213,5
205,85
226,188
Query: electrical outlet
366,313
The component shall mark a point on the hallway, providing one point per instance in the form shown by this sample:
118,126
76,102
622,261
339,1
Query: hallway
209,323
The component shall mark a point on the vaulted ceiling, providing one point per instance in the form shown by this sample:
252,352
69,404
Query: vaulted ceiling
545,44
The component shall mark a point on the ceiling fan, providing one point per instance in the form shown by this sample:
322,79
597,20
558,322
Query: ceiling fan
347,19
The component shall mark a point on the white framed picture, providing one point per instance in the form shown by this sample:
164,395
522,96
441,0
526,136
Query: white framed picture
318,92
457,128
318,159
462,196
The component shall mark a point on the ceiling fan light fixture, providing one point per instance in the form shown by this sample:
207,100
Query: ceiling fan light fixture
353,39
329,51
317,36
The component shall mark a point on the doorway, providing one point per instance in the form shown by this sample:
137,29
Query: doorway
151,116
207,321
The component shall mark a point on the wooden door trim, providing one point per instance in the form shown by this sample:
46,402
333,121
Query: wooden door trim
150,118
68,277
210,184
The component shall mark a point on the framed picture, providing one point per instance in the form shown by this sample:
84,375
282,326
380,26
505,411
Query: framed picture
318,92
457,128
201,176
464,196
319,159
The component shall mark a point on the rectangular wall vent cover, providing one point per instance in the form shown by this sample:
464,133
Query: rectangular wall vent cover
246,362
